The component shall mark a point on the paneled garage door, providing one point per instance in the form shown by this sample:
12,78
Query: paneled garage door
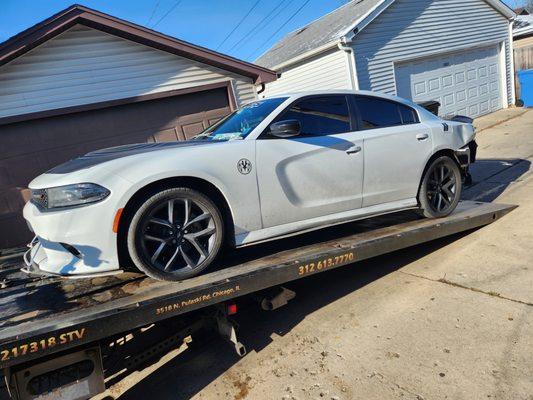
465,83
30,148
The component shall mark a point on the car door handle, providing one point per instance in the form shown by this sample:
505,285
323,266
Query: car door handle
354,150
422,136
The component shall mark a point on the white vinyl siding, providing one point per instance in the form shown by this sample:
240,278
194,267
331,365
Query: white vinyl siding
325,71
84,66
411,29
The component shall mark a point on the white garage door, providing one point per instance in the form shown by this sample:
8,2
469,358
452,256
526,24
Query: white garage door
465,83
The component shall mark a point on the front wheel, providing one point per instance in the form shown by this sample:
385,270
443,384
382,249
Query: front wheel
175,234
440,189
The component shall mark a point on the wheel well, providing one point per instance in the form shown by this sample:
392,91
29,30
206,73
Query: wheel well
444,152
201,185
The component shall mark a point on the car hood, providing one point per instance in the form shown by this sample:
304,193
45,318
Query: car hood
112,153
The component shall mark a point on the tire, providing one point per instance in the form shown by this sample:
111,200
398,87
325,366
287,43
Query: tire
440,189
175,234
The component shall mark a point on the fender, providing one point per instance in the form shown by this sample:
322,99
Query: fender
136,186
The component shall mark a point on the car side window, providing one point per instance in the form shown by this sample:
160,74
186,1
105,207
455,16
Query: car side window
379,113
320,116
408,115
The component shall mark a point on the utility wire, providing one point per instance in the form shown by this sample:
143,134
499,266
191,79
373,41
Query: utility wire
282,26
238,24
272,19
153,12
177,3
257,28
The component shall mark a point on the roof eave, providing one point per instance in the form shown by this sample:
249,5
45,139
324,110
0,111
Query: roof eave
365,20
60,22
371,15
502,8
306,55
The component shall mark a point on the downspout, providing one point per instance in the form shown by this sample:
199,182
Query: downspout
352,67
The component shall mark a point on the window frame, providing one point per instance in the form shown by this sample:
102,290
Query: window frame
353,100
351,113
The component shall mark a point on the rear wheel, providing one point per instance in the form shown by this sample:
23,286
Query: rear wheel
440,189
175,234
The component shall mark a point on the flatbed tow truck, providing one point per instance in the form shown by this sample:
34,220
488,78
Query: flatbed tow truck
59,338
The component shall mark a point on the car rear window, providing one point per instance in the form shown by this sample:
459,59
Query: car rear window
408,114
378,113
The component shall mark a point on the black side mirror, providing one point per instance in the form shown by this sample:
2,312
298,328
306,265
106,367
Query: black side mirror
285,129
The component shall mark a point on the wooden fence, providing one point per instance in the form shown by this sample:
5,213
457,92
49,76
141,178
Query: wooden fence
523,59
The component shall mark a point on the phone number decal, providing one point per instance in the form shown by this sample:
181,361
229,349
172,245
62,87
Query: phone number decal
327,262
41,345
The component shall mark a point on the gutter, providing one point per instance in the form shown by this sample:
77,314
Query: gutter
344,45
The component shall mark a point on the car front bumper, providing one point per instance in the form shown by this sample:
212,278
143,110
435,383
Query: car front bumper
73,242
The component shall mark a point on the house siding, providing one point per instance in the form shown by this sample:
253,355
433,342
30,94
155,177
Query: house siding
411,29
83,66
328,70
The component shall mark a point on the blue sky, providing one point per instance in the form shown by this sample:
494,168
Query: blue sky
204,22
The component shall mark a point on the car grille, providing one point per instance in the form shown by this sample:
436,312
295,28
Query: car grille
39,197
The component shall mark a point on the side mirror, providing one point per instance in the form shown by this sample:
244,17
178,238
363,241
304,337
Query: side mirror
285,129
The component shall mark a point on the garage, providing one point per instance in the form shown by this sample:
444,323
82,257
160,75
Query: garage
458,53
32,147
464,83
93,81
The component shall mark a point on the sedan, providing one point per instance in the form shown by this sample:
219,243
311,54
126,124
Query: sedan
275,167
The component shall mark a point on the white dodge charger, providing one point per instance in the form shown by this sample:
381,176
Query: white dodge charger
276,167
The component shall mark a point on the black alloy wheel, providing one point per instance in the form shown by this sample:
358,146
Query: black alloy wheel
175,234
441,187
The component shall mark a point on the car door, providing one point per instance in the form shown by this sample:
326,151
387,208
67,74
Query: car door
396,147
317,173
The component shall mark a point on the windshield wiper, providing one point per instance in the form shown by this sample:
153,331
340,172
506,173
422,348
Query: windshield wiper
201,136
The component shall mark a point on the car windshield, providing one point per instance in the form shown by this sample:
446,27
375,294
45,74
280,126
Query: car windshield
240,123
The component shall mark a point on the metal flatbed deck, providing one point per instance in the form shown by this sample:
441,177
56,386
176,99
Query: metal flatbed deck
43,316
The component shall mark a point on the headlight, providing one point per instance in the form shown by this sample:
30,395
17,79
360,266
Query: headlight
69,195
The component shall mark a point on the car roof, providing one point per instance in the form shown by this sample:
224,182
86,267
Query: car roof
422,112
297,95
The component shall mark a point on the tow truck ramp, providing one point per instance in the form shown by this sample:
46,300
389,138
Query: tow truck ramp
51,328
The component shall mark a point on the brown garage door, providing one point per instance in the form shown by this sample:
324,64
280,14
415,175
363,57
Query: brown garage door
30,148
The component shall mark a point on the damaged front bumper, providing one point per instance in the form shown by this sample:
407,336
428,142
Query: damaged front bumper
36,255
72,242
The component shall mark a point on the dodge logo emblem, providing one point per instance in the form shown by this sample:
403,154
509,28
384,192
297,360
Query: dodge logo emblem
244,166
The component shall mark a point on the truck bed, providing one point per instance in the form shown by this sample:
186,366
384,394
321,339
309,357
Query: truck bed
41,316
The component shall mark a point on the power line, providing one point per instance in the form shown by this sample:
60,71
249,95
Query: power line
177,3
153,12
257,28
282,26
239,24
273,19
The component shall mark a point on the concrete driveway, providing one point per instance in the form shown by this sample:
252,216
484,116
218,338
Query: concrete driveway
452,319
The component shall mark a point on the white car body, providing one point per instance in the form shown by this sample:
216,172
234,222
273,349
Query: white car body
293,185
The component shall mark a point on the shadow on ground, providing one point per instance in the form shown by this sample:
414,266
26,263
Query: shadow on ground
491,177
